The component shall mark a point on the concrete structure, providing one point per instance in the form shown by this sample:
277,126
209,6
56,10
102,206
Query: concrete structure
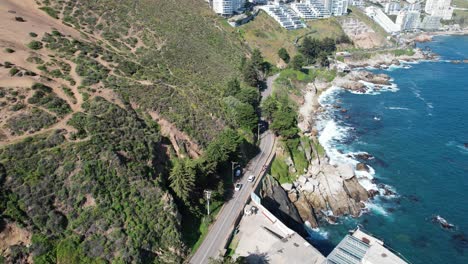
286,17
262,235
227,7
439,8
361,248
383,20
408,20
392,8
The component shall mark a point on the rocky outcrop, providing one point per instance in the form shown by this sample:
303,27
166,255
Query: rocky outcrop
327,191
355,81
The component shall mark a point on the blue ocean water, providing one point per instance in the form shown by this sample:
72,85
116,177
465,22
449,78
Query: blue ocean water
417,136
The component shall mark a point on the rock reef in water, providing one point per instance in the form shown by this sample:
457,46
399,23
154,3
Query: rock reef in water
355,81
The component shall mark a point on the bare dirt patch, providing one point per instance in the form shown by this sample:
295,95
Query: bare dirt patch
11,235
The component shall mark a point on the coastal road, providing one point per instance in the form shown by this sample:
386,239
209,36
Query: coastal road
223,226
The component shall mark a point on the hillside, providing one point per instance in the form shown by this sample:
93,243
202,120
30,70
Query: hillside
99,100
267,35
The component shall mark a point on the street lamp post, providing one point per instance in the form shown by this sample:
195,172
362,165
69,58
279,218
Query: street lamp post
208,196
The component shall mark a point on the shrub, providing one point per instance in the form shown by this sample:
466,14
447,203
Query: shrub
35,45
32,34
13,71
50,11
8,50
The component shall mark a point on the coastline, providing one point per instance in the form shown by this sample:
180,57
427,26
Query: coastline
316,120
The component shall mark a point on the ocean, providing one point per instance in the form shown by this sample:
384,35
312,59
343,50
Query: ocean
416,131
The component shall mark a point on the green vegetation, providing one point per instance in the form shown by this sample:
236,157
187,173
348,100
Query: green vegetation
267,35
401,52
32,34
43,96
50,11
9,50
284,55
31,121
35,45
13,71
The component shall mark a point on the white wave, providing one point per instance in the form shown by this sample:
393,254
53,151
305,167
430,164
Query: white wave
377,118
316,233
376,208
331,133
375,89
397,108
328,96
458,146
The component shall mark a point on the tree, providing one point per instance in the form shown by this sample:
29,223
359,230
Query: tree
246,117
248,95
285,123
310,49
251,76
323,59
269,107
221,149
284,55
297,62
182,178
232,88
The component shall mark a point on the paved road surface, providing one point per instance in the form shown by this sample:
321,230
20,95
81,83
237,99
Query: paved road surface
223,226
269,82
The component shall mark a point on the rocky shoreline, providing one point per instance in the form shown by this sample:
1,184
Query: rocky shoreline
328,190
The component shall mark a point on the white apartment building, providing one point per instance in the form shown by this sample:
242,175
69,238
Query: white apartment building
382,19
336,7
227,7
392,8
408,20
439,8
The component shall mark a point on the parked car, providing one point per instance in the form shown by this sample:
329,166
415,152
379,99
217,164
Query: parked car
251,178
237,187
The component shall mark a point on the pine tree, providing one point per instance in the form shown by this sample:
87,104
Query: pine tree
182,178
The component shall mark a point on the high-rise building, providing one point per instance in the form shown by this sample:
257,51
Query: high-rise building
336,7
408,20
227,7
439,8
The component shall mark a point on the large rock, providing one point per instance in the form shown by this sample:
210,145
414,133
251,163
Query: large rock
287,186
346,171
302,180
362,167
306,211
308,187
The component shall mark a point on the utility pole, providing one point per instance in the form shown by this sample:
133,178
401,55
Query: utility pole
232,170
208,196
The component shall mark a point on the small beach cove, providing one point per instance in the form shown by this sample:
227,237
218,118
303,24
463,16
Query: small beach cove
414,132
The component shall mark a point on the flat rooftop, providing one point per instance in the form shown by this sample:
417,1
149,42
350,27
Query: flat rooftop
362,248
260,238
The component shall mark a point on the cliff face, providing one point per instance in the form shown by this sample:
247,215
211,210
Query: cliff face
275,199
323,192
